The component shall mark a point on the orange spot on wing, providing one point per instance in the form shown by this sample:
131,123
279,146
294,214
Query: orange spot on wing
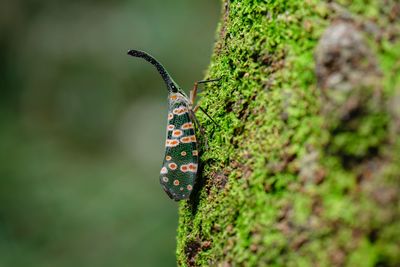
176,182
173,97
170,127
195,153
164,170
180,110
177,133
189,187
174,142
185,139
170,116
184,168
171,143
172,166
187,125
188,139
183,153
192,167
168,157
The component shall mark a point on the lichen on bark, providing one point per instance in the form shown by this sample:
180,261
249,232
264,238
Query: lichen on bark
303,168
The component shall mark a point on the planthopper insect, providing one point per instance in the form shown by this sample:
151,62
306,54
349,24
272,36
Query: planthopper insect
180,165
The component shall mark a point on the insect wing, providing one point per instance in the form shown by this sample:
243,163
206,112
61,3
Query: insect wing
179,169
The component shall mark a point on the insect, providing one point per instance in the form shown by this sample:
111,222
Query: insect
181,160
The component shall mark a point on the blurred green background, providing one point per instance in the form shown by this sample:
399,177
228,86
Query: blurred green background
82,127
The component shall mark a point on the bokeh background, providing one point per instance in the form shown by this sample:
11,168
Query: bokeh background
82,127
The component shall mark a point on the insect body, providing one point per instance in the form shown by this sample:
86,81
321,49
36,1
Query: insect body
180,164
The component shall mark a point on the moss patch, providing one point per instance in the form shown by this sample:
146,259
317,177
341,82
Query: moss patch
299,172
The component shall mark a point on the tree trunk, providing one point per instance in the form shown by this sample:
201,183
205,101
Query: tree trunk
303,168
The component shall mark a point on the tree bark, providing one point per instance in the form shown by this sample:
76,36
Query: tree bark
303,168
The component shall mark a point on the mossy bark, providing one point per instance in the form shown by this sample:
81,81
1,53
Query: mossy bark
304,166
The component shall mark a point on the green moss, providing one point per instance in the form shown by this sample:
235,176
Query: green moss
283,182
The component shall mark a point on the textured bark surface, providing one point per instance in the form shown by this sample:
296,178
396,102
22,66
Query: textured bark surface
304,167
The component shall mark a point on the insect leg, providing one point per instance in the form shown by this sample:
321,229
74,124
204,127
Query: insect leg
202,109
193,92
208,81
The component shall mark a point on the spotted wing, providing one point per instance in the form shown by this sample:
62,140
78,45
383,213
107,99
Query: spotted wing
179,169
